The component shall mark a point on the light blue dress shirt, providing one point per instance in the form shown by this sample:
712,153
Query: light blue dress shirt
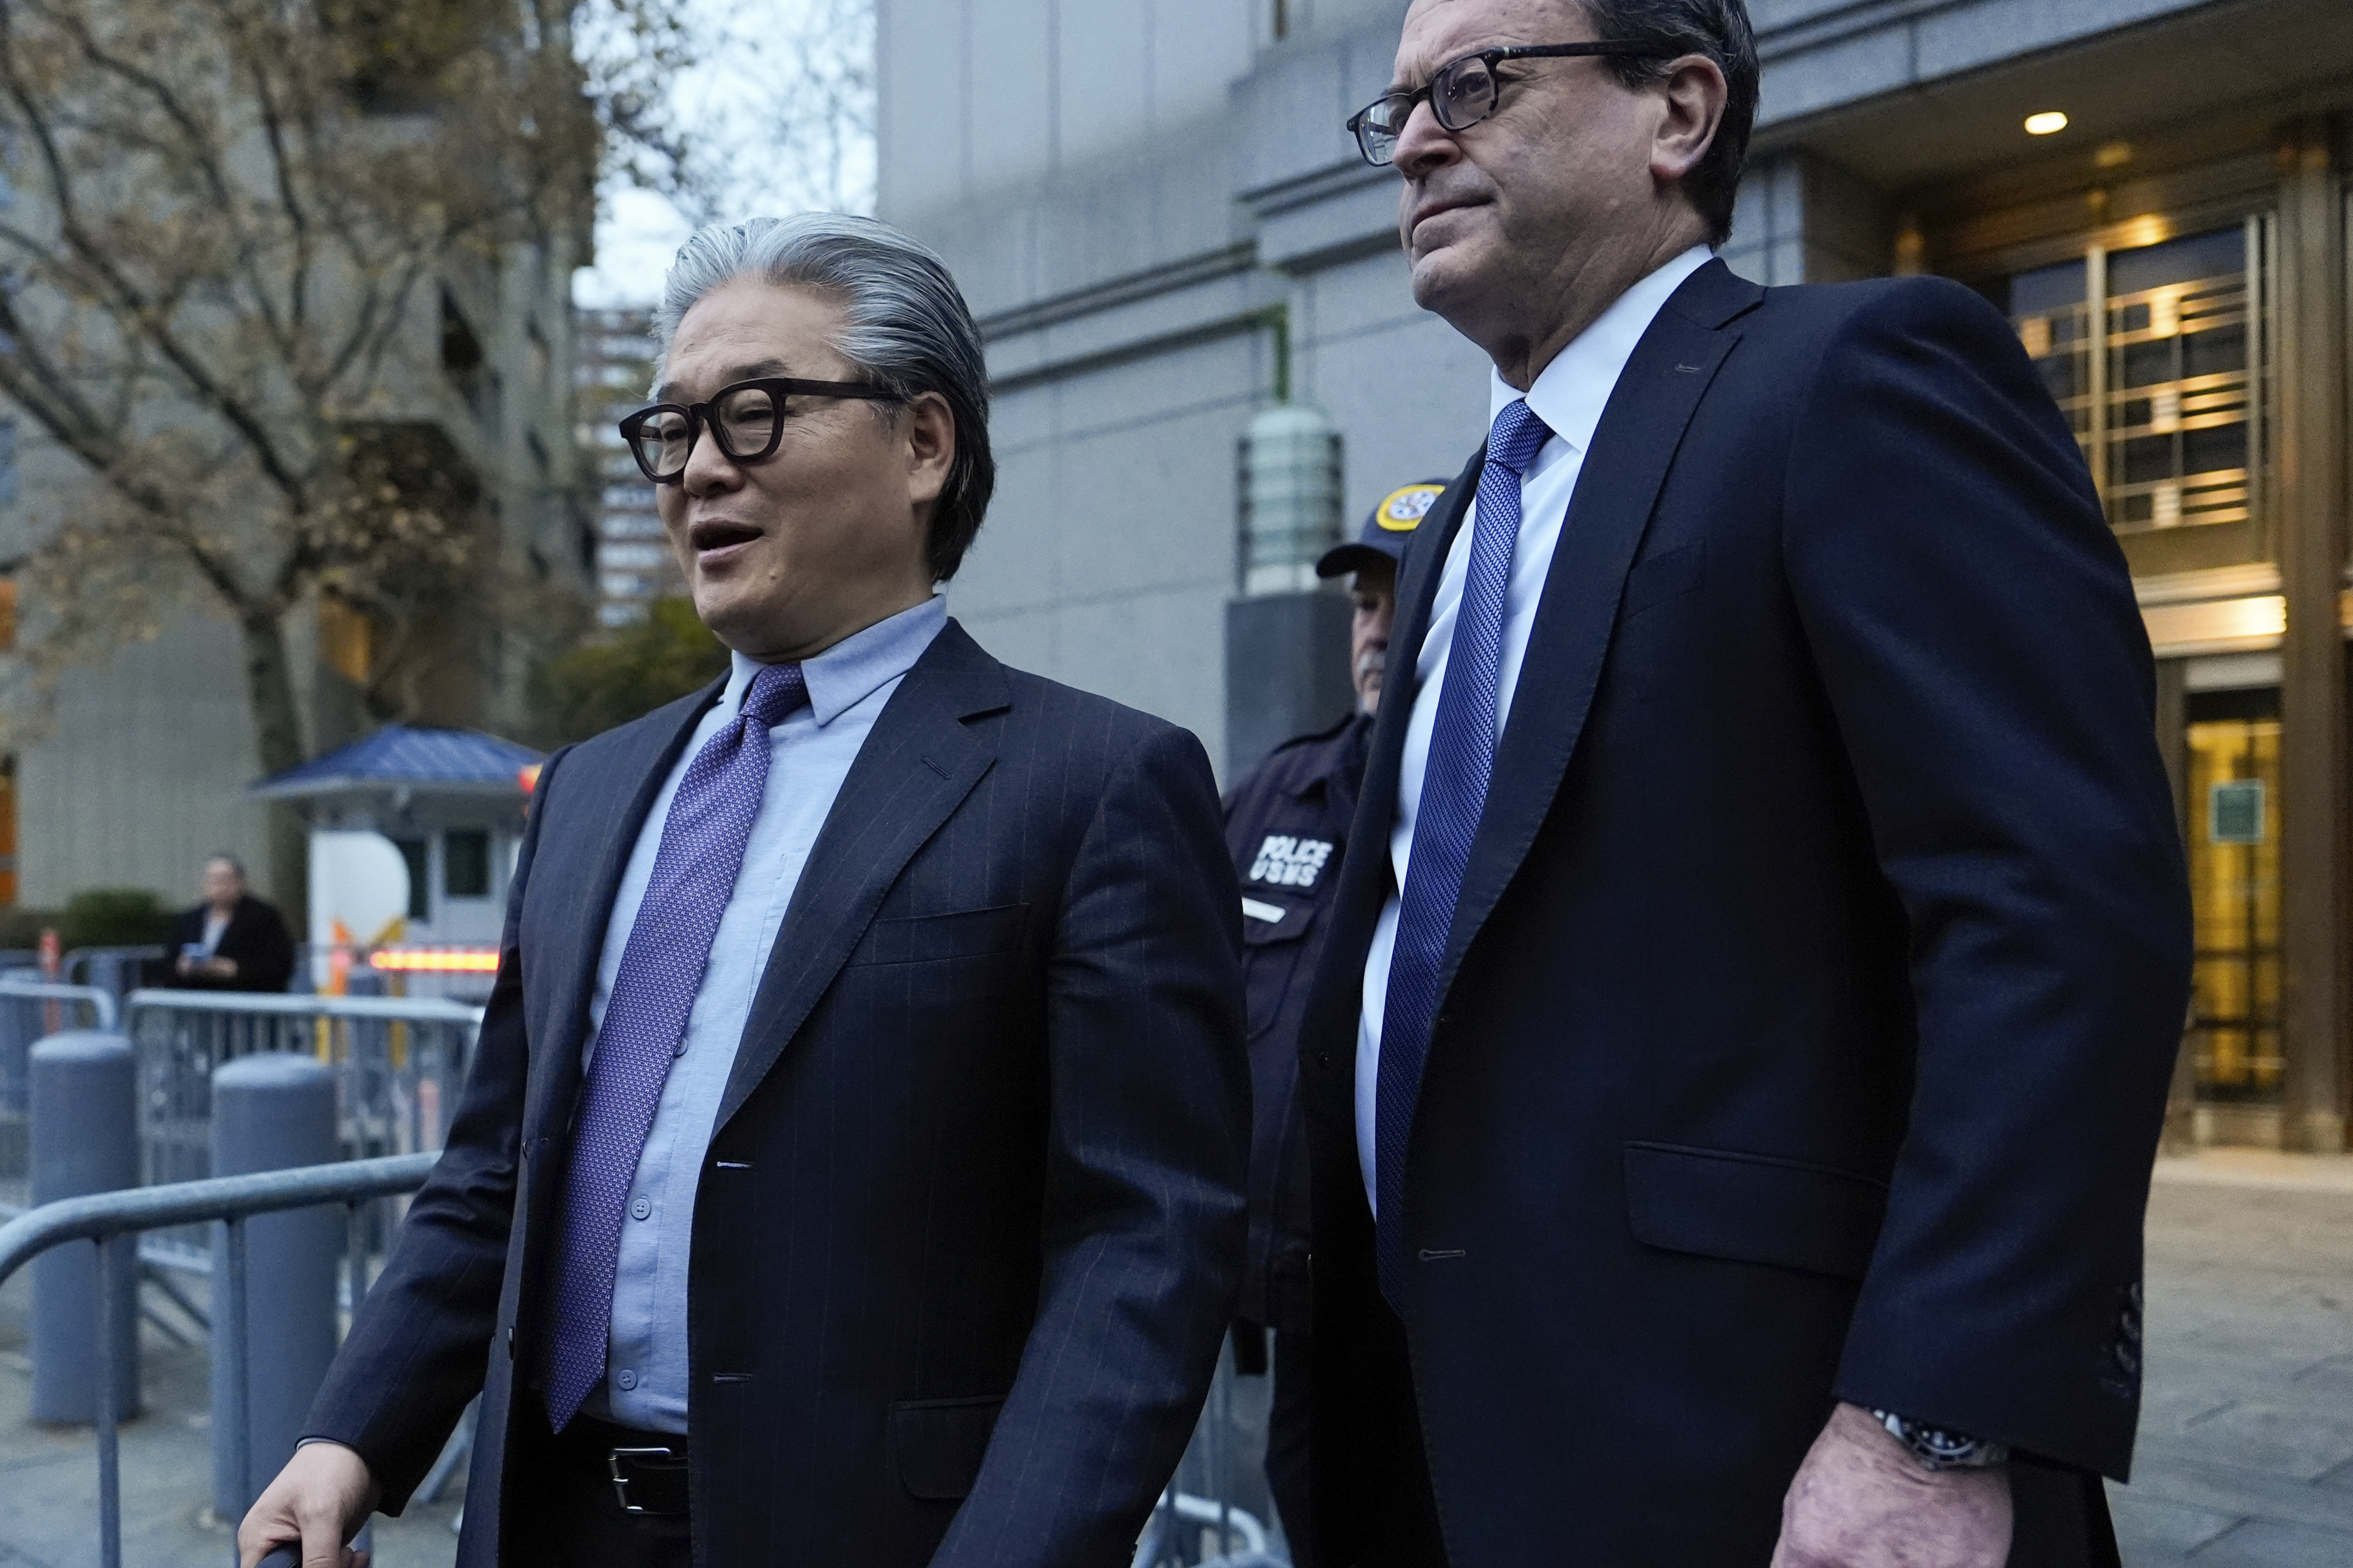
810,755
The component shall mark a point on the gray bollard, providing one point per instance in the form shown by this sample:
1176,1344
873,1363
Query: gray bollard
85,1139
272,1110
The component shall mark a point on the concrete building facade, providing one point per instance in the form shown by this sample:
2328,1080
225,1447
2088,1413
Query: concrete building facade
1164,230
634,566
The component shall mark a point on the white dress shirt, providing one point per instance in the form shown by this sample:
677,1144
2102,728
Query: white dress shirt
1568,395
810,755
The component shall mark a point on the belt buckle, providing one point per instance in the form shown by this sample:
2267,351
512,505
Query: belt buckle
621,1482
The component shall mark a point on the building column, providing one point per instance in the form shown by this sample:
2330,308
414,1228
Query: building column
2172,725
2309,328
1804,219
1287,631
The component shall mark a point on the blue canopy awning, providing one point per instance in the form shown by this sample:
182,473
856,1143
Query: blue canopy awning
405,757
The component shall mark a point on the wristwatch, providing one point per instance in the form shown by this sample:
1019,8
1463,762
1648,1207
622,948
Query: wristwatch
1941,1450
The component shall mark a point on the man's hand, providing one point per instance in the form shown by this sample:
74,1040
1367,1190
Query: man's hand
1861,1501
321,1499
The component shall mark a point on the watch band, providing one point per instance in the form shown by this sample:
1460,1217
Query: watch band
1939,1449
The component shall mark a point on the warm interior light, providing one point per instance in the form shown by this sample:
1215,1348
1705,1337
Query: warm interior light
2047,123
468,961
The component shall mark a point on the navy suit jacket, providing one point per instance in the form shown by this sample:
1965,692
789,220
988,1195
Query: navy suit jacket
970,1226
1818,970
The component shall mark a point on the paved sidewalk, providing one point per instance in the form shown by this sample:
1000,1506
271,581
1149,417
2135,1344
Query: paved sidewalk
48,1476
2246,1438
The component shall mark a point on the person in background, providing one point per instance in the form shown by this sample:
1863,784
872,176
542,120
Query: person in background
233,940
1287,827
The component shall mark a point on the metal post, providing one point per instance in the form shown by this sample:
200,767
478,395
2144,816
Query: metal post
109,1459
355,1259
232,1356
271,1110
85,1139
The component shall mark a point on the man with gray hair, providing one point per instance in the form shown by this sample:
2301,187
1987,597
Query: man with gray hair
1734,1088
850,1170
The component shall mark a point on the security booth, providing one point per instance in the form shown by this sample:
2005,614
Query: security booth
413,836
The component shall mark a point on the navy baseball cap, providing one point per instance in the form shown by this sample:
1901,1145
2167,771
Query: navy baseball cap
1385,531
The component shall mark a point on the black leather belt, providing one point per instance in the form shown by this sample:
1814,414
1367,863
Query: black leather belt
649,1480
649,1469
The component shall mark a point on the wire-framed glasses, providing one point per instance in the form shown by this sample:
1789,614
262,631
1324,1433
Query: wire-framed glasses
1463,93
746,419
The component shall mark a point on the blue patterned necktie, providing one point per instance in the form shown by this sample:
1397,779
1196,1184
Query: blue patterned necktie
1453,794
644,1027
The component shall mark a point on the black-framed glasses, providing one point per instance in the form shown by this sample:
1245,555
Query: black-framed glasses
1461,93
746,419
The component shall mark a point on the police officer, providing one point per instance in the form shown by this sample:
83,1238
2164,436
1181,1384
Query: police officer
1287,827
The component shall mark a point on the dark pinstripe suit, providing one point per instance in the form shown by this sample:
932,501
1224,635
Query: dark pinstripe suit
970,1224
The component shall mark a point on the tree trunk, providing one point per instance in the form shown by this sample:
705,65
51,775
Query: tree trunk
269,689
277,740
289,885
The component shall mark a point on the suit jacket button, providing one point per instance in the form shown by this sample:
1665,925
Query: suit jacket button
1324,1060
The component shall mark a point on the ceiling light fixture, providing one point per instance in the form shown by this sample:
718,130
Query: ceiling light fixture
2050,122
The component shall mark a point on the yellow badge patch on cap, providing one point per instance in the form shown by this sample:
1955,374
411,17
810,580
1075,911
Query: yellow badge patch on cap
1403,510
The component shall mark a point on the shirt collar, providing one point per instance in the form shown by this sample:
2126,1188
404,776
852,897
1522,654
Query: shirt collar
1571,392
857,666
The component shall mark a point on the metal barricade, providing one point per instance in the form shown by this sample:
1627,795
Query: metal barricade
118,970
400,1064
1218,1511
31,1010
230,1202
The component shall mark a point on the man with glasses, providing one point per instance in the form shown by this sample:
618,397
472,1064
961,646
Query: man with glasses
850,1170
1733,1088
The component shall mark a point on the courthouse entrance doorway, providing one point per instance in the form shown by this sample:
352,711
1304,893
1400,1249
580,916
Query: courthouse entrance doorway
2233,835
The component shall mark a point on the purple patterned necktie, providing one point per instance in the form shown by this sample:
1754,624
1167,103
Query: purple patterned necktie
1453,798
644,1027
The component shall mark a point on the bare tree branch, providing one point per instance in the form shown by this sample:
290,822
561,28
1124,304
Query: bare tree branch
218,276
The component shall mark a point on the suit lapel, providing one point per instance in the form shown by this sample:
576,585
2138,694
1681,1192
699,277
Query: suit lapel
621,791
915,768
1336,990
1633,446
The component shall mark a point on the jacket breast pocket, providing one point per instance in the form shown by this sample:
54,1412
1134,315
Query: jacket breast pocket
929,939
939,1444
1274,941
1753,1208
1269,923
1669,574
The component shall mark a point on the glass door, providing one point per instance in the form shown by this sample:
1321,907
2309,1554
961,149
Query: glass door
2234,874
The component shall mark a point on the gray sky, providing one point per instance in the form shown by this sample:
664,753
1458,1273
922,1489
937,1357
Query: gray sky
780,113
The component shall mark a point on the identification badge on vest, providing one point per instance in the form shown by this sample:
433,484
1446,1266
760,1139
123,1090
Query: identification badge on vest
1284,861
